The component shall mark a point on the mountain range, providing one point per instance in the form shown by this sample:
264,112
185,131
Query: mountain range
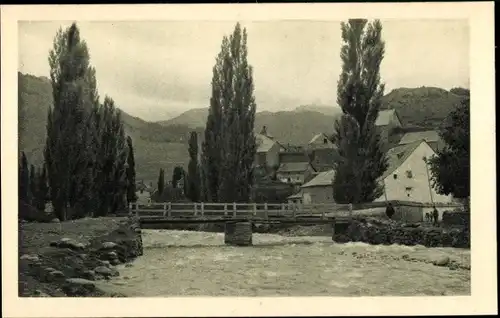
164,144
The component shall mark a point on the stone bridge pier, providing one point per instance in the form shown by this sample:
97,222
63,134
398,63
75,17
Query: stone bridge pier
238,233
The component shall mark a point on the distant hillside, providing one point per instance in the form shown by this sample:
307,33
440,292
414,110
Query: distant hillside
423,106
286,126
192,118
324,109
156,146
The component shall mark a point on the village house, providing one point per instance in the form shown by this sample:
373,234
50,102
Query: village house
430,136
143,193
319,189
320,141
294,167
268,150
407,177
386,122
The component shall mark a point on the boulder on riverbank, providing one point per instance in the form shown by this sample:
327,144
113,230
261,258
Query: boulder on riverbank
66,266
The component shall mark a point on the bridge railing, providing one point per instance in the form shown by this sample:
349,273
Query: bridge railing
258,210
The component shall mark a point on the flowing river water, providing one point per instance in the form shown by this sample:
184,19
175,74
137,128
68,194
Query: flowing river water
184,263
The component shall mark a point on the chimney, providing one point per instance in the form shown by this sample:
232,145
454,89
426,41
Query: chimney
263,131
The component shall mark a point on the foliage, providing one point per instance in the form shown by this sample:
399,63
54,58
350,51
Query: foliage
24,178
229,146
161,181
359,94
192,182
42,189
450,169
66,144
85,144
169,194
32,184
177,175
131,195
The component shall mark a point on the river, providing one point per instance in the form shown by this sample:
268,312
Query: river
184,263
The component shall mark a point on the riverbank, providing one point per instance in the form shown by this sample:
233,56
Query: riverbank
70,258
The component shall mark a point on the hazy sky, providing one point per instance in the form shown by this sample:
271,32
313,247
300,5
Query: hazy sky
154,69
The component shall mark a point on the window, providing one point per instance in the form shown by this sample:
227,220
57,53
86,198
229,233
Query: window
408,191
395,176
409,174
325,141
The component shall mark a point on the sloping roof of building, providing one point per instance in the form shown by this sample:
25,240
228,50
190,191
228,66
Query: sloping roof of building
293,167
397,155
296,156
320,136
428,136
297,195
384,117
264,143
322,179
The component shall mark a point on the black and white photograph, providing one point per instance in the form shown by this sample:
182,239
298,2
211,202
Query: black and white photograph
245,157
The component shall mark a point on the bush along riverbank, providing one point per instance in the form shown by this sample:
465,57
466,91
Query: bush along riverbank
69,267
378,231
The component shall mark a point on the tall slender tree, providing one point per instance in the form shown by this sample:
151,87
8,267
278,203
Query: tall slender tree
33,184
112,156
66,153
229,147
192,184
131,196
42,189
161,182
359,94
24,178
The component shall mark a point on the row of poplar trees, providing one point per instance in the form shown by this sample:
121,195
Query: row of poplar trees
89,161
225,171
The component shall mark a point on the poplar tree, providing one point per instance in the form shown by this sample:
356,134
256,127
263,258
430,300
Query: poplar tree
131,195
229,147
24,178
33,184
192,184
359,94
66,154
161,182
112,155
42,189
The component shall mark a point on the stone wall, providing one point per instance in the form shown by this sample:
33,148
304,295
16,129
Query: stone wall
238,233
70,268
376,231
460,218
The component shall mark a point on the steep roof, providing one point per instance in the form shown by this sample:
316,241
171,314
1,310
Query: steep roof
384,117
322,179
264,143
397,155
293,167
320,136
297,195
428,136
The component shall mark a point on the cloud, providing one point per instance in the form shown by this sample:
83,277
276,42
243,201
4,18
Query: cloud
154,69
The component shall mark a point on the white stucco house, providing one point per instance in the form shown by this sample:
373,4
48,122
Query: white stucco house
407,177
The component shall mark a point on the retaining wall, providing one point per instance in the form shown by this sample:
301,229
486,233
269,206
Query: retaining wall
376,231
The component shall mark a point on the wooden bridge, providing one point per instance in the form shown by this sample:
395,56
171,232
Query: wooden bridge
240,217
203,212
